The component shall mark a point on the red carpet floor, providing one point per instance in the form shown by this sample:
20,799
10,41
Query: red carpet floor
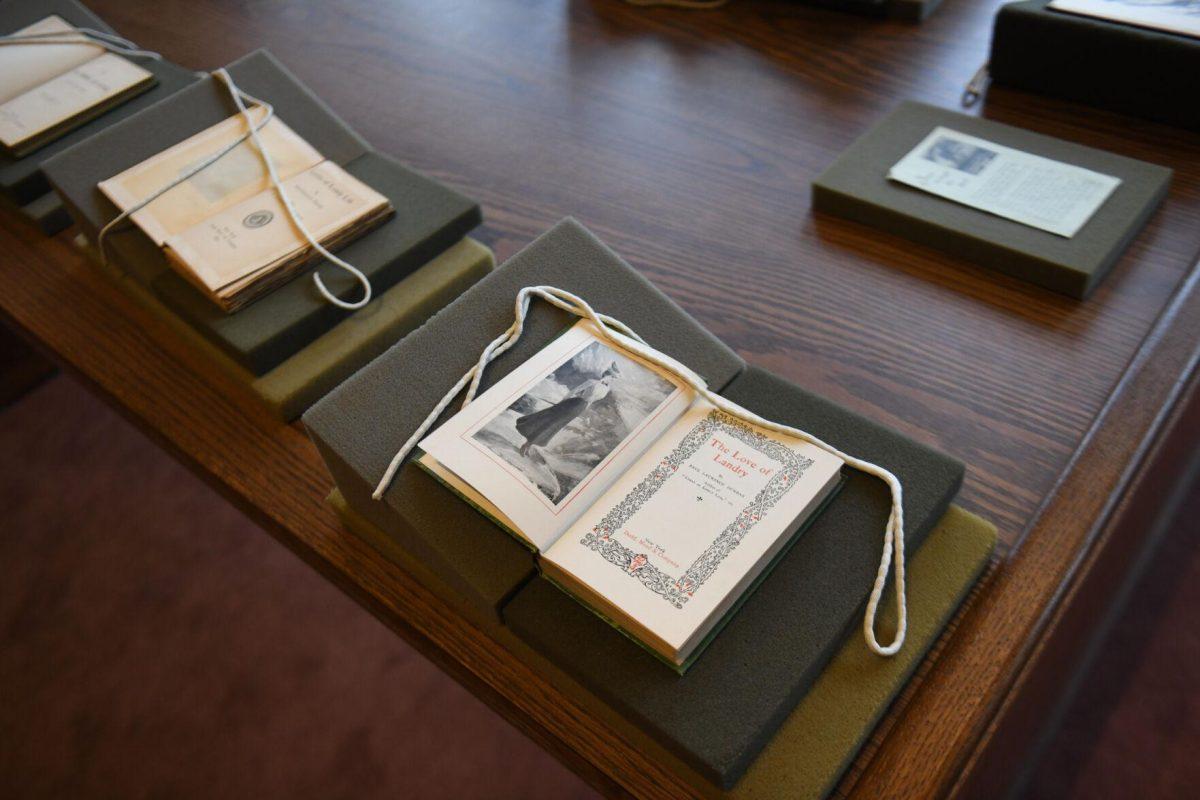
158,644
155,643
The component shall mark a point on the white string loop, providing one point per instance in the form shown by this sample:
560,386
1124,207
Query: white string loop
240,99
109,41
616,332
236,94
101,238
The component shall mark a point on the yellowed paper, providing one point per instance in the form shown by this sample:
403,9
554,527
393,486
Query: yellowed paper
238,175
256,233
26,66
61,99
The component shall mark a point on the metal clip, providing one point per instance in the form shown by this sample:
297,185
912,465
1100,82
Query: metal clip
976,86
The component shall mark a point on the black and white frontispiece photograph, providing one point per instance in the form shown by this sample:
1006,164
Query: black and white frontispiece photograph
573,418
959,155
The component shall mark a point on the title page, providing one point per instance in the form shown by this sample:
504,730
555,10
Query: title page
688,526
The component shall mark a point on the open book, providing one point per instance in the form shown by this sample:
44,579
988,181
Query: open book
48,89
225,228
649,505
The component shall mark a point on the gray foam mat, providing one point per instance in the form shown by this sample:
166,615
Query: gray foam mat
1104,63
361,424
430,216
721,713
856,186
76,173
429,219
22,179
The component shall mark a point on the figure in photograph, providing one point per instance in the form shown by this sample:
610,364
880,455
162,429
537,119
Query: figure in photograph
539,427
959,155
567,423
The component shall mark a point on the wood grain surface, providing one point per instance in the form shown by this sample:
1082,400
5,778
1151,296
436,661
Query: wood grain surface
687,141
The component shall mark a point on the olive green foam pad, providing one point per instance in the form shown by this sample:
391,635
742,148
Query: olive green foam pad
1100,62
301,380
823,734
429,218
22,179
821,737
717,717
361,425
856,186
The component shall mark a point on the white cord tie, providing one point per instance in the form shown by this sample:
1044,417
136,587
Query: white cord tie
109,41
240,99
616,332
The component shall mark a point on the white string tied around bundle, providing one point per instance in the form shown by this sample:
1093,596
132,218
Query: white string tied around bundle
619,334
121,46
109,41
240,99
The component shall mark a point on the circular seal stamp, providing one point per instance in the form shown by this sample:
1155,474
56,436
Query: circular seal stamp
257,219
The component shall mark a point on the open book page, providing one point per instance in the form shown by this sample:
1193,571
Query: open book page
62,101
27,66
1175,16
236,176
685,530
225,249
1040,192
539,447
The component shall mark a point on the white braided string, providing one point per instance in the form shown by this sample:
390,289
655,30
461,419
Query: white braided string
240,98
236,94
109,41
616,332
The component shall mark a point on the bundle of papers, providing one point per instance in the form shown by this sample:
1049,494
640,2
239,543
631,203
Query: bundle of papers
225,228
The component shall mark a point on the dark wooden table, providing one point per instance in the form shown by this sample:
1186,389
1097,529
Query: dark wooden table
687,140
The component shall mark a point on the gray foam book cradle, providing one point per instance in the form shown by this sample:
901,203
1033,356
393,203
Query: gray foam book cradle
430,216
723,711
856,186
1108,64
360,430
23,182
720,714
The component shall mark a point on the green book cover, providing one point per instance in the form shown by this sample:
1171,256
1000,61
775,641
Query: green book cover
680,668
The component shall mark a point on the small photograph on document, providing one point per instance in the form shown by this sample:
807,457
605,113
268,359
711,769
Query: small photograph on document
962,156
567,423
1039,192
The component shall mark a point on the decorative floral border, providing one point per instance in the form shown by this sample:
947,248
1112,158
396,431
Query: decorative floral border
677,591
